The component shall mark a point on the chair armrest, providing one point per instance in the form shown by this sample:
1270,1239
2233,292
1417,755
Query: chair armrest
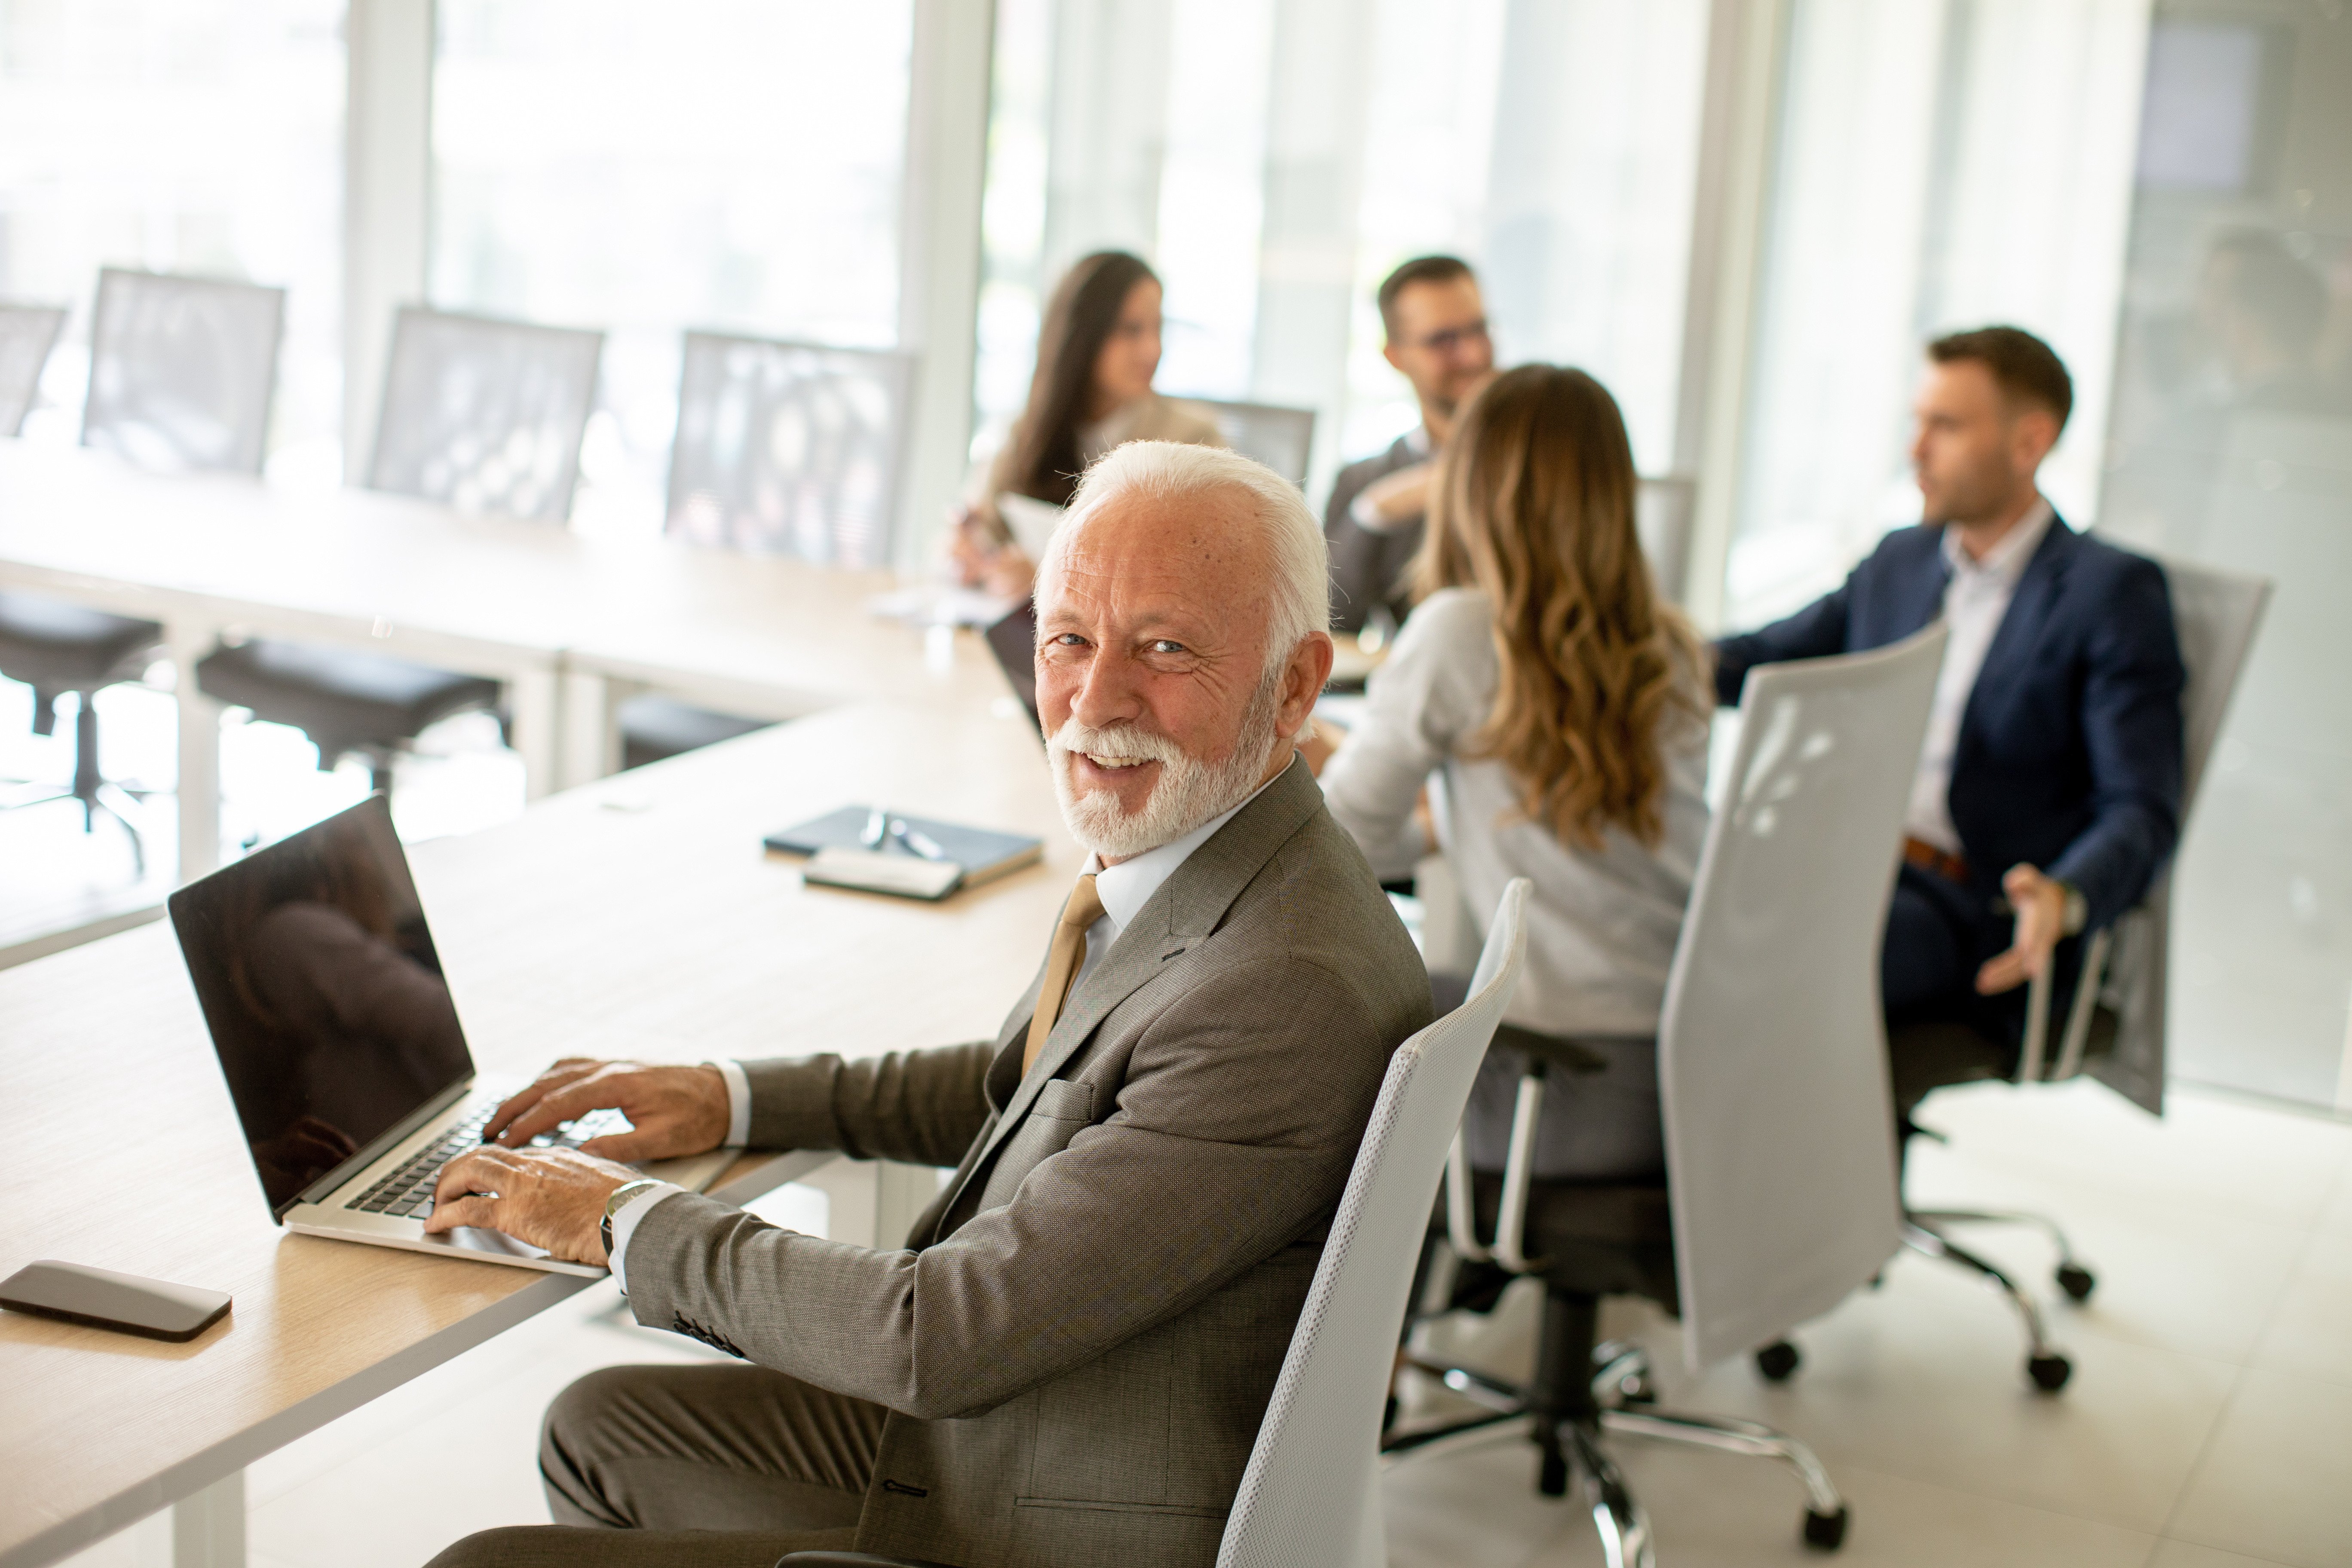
830,1559
1519,1168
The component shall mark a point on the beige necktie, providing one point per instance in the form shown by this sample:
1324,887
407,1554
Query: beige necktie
1062,961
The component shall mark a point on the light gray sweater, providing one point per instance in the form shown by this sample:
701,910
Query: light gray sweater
1602,925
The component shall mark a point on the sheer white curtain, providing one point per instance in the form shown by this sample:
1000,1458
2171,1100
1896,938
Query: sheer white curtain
1274,159
1942,164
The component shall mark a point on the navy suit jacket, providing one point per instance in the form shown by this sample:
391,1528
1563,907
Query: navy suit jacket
2070,755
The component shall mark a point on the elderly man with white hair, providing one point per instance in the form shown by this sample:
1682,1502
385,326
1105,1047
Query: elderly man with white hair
1065,1365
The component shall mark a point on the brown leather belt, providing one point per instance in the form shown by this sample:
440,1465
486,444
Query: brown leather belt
1942,862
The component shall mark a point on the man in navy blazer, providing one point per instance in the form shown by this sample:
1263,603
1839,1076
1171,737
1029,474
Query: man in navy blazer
2049,787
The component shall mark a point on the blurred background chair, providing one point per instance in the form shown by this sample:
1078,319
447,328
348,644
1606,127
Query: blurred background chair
480,415
783,448
1664,510
181,373
1781,1193
27,333
1309,1497
1279,437
2114,1025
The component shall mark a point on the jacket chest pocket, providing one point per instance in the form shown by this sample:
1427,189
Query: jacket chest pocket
1063,1106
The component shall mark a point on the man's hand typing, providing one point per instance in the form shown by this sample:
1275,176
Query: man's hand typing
553,1198
672,1110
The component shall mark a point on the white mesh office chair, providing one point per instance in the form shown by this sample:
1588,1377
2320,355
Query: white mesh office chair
783,448
788,448
181,371
485,416
1780,1183
1281,438
480,415
1310,1495
2114,1026
27,333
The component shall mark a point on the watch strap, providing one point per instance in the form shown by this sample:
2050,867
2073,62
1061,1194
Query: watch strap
620,1197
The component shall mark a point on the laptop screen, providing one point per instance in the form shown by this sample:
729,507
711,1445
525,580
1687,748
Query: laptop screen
319,981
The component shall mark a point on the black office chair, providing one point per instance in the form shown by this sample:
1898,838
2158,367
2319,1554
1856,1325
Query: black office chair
480,415
181,374
2111,1021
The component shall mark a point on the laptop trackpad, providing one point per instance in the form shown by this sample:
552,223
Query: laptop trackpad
473,1239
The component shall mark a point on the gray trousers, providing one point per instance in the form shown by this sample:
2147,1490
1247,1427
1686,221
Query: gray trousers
700,1466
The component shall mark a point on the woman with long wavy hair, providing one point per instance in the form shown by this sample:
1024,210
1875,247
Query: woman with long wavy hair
1557,707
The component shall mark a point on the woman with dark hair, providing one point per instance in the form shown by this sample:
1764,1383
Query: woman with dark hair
1098,349
1557,708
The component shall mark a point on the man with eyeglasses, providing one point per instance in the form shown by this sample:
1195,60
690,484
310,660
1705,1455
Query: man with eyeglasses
1436,325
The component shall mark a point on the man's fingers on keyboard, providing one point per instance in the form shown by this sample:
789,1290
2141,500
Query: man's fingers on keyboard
557,1076
552,1110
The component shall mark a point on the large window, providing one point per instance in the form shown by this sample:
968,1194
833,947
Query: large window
644,169
199,136
1274,159
1939,167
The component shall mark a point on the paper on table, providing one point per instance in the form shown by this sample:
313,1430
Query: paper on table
940,605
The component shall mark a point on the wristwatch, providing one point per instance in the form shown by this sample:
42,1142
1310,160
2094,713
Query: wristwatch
623,1195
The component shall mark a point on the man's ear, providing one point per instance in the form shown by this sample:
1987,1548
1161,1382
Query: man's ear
1308,672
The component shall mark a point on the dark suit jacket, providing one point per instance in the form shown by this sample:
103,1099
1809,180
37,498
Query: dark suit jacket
2069,755
1078,1341
1367,567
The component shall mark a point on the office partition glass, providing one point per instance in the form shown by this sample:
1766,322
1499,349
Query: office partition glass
730,165
1275,159
2231,444
199,136
1939,165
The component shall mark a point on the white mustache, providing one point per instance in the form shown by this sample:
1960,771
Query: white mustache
1114,745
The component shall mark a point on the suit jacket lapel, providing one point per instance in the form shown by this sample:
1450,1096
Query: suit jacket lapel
1177,917
2014,641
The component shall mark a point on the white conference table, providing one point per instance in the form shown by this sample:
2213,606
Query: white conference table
569,623
636,915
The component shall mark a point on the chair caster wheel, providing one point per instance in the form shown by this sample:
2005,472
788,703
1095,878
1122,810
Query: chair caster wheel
2050,1373
1776,1360
2076,1281
1552,1479
1826,1531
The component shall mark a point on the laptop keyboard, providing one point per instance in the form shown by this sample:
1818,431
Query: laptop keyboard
407,1191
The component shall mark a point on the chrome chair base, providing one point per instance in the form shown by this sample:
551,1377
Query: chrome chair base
2044,1363
1623,1397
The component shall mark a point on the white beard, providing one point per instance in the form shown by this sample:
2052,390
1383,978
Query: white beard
1188,793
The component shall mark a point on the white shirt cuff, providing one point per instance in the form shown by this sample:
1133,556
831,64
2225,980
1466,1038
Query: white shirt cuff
624,1226
739,1103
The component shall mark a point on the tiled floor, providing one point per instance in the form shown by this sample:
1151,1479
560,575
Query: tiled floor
2209,1424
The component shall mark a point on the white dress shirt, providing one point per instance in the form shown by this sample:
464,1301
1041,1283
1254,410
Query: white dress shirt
1975,600
1124,890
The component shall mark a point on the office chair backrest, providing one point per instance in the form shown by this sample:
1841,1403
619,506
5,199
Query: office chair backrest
27,334
485,416
181,371
1310,1497
788,448
2215,615
1772,1048
1281,438
1662,513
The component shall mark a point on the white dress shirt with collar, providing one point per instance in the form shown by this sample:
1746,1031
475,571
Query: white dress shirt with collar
1124,890
1975,600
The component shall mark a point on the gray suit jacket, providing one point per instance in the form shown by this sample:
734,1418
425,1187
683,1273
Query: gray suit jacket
1368,568
1078,1341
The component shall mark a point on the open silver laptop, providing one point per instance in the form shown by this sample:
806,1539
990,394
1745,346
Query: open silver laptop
340,1043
